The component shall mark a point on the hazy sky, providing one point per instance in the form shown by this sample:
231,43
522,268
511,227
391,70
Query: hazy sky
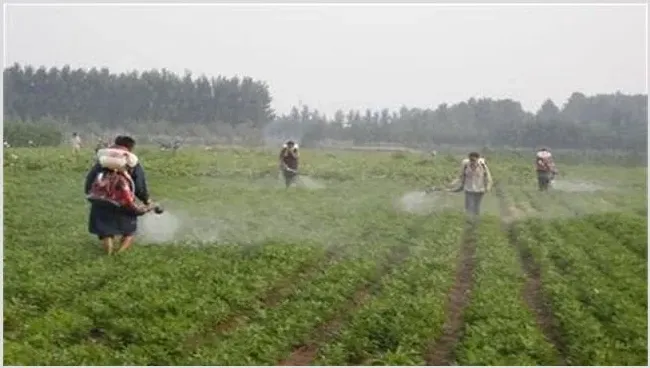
361,56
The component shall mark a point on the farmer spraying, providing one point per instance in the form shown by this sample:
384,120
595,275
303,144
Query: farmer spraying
112,186
545,167
475,180
289,162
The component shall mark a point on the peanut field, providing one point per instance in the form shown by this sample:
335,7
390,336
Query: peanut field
336,271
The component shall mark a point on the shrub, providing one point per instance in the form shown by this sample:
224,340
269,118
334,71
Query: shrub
19,134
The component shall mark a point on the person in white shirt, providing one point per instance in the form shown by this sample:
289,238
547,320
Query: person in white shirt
76,143
475,180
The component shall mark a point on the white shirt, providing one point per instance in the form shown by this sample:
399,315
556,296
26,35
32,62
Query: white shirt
476,179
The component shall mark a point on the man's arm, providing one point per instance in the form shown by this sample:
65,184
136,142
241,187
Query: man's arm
460,179
91,176
140,180
461,172
488,178
553,167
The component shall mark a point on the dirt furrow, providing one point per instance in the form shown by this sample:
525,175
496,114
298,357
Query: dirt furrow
532,292
281,290
441,352
304,354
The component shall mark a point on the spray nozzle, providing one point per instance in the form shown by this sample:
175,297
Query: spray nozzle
431,190
158,209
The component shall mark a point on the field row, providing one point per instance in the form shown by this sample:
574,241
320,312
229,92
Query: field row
593,273
359,304
146,318
335,275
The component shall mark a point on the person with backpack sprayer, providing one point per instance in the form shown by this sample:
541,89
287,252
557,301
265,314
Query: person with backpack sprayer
475,180
112,186
545,167
289,162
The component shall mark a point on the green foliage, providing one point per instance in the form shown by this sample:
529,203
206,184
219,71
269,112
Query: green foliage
19,134
500,330
602,321
256,272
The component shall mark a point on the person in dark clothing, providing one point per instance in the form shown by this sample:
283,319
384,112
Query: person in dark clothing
545,168
289,162
108,220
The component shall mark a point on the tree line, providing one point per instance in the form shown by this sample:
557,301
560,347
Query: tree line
604,121
159,100
80,96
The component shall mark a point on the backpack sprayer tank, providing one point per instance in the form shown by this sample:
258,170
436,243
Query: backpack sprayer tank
114,159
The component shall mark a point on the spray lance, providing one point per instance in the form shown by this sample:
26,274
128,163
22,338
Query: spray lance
295,172
430,190
433,189
157,209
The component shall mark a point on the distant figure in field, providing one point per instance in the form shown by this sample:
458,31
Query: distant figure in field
174,145
289,162
76,143
112,186
475,180
545,167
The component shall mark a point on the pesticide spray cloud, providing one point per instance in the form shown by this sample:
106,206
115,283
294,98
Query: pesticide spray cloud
232,226
576,186
419,202
565,199
174,227
310,183
159,228
302,181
